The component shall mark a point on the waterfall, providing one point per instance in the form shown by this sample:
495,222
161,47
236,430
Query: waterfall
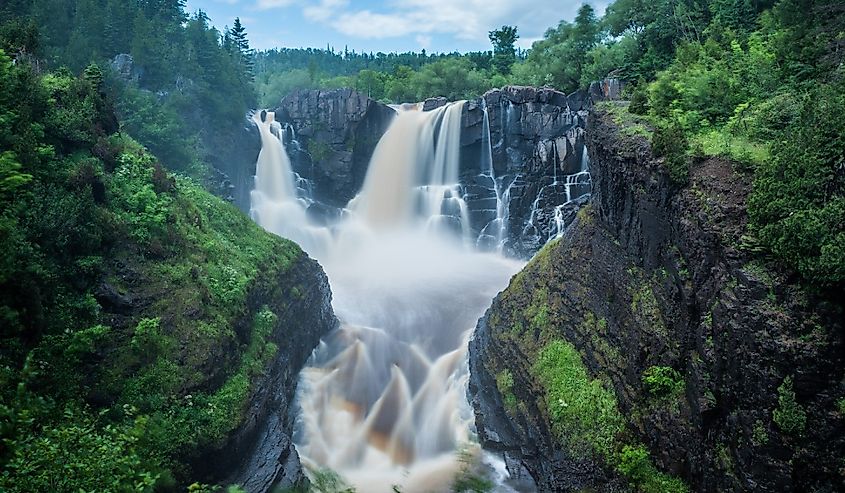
413,174
494,233
383,398
275,202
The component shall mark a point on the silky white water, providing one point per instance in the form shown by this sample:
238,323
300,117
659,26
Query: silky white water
383,399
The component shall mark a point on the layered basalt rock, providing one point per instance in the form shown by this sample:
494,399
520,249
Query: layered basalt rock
653,274
330,139
536,147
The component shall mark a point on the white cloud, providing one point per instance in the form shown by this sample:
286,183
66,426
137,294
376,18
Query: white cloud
424,41
323,10
464,19
273,4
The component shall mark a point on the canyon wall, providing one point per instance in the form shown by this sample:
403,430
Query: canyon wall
720,370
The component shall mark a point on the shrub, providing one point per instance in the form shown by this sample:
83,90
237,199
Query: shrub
797,206
789,415
662,381
635,464
669,141
639,102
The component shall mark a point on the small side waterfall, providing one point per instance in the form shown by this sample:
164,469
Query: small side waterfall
280,197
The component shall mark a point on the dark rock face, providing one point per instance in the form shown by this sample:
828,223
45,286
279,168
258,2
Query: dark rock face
333,137
260,455
536,144
232,154
650,275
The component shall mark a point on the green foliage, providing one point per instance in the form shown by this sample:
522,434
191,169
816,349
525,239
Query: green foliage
663,381
840,406
560,58
789,415
797,206
639,102
760,435
77,453
635,464
585,416
669,141
504,382
504,54
582,410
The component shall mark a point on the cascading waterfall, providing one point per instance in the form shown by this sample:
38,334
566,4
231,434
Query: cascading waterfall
383,399
275,202
496,230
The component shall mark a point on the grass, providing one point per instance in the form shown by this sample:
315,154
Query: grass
629,124
720,142
586,418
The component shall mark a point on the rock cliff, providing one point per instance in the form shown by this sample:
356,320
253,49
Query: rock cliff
260,451
331,137
727,373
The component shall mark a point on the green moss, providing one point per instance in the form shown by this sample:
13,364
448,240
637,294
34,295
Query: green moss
645,307
504,382
582,410
585,417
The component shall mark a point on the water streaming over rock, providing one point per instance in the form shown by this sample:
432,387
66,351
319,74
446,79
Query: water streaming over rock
280,198
383,399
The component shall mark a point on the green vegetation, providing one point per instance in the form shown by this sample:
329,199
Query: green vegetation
122,288
182,69
504,383
585,416
582,410
663,381
760,435
635,464
789,415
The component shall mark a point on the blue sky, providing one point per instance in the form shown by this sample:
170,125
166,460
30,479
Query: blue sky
388,25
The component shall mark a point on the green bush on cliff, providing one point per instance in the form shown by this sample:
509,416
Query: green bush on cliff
789,415
635,464
663,381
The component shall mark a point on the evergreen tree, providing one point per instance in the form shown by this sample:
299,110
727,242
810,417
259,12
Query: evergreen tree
241,44
504,53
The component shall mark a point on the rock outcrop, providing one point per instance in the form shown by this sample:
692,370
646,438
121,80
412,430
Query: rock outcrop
331,138
536,147
653,275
